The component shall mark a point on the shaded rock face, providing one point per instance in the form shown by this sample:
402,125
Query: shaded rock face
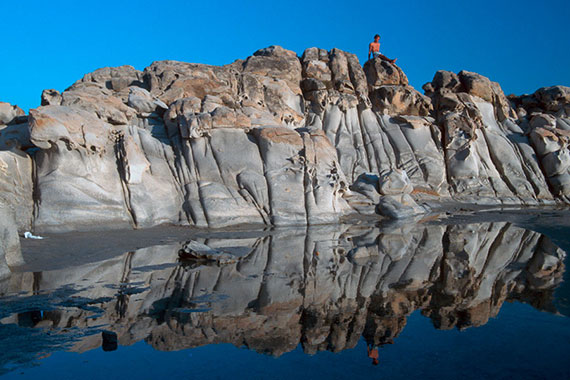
16,186
276,139
10,253
323,287
14,130
488,155
545,116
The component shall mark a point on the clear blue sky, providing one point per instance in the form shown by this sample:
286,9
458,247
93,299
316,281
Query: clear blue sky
523,44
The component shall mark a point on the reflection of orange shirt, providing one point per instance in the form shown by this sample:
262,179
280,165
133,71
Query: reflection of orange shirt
373,353
374,47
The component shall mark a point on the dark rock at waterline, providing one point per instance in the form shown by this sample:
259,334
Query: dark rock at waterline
110,341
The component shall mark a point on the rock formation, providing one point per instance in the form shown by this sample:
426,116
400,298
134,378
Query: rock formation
323,287
275,139
545,116
10,254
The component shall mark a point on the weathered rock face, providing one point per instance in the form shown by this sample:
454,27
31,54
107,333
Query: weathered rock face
545,115
10,253
14,130
17,187
391,191
277,139
208,146
367,139
326,287
488,156
390,93
76,149
51,97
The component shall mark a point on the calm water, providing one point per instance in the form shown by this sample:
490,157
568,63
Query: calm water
433,300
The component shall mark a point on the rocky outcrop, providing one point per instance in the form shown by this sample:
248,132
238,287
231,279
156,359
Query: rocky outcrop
276,139
323,287
545,115
10,114
390,93
391,192
487,153
367,139
14,130
223,151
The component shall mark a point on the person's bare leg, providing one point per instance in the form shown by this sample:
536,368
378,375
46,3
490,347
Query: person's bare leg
388,59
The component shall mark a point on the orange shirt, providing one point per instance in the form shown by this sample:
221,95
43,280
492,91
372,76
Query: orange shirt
373,353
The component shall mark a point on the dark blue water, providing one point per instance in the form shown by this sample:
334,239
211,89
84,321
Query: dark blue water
477,300
520,342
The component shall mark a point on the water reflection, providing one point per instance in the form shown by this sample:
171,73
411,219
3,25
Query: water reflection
323,288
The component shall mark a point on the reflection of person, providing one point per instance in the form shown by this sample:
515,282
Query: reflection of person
373,353
374,50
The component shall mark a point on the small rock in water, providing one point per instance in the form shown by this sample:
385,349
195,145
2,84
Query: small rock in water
192,250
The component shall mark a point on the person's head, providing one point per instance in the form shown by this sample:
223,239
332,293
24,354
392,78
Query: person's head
375,361
376,38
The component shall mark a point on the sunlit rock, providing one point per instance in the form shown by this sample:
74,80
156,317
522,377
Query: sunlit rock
278,139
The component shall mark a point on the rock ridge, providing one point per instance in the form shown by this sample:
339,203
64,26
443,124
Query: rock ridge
277,139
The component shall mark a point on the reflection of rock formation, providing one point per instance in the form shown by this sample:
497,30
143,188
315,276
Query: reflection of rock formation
321,287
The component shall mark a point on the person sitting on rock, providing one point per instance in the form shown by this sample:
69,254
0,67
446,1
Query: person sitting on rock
374,50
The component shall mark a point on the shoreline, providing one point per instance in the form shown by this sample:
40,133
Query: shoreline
59,250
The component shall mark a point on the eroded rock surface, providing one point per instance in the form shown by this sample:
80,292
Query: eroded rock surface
16,186
488,156
10,252
277,139
545,115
